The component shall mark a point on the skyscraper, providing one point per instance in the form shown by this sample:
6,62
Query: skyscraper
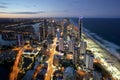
75,57
58,33
89,60
19,39
61,44
41,33
65,31
53,29
80,28
83,46
43,30
71,46
66,23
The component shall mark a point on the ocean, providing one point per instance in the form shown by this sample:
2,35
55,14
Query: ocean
106,31
106,28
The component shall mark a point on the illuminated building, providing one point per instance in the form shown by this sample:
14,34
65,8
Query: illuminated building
83,47
71,46
19,40
69,56
61,44
41,33
80,29
89,60
76,56
65,30
53,27
58,33
43,30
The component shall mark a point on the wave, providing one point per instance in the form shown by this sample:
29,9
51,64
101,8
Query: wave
109,46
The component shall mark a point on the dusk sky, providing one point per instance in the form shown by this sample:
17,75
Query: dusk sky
59,8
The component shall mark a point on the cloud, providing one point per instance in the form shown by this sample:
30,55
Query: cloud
24,12
27,12
3,3
2,6
2,12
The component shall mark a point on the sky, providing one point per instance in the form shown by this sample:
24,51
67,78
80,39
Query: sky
59,8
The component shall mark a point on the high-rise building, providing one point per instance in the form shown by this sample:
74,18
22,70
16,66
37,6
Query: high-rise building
53,30
80,28
69,56
61,44
75,57
53,27
66,23
19,39
65,31
89,60
58,33
43,30
71,46
41,33
83,46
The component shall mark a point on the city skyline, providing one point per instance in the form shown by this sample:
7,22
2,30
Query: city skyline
59,8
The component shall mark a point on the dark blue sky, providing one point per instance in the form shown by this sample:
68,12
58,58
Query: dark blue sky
60,8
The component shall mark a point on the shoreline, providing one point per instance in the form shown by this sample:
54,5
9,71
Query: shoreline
107,53
101,45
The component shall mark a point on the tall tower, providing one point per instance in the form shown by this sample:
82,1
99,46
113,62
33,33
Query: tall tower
19,39
61,44
41,33
53,27
75,57
66,23
65,31
71,46
80,28
45,28
83,46
88,60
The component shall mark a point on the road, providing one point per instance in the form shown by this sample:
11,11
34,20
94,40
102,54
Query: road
50,61
109,62
39,67
15,70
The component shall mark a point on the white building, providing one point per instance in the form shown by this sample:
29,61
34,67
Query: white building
61,44
58,33
76,57
89,60
83,47
71,46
